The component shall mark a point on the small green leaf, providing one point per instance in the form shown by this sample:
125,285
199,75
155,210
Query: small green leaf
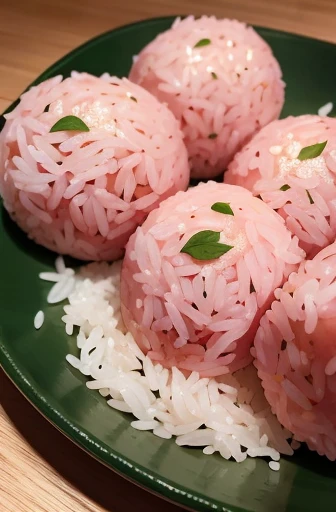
133,99
312,151
285,187
222,208
202,42
69,123
311,200
213,136
205,246
214,75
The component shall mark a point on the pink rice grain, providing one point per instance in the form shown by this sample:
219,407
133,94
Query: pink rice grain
222,93
301,387
89,178
210,323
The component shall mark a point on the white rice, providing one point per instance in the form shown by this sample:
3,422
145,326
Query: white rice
39,319
325,109
228,414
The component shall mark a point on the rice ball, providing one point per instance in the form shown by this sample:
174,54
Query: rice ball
299,183
219,78
295,352
198,274
82,190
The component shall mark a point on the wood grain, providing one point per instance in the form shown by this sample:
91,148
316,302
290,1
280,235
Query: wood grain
40,470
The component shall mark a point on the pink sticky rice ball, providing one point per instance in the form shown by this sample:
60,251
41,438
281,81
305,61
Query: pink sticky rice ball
83,193
202,315
295,350
302,191
219,78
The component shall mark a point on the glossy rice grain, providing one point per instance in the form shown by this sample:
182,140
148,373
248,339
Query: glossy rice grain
295,352
84,193
303,192
219,78
202,315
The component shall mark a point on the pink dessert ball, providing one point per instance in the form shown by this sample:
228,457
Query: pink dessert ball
302,191
83,193
219,78
202,315
295,350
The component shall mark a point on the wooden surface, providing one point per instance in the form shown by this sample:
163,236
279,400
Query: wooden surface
40,470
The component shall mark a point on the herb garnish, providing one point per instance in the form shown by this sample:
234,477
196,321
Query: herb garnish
312,151
202,42
205,245
214,75
285,187
222,208
69,123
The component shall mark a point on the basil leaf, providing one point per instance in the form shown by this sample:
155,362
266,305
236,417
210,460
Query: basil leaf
311,200
69,123
222,208
202,42
213,136
285,187
312,151
214,75
204,246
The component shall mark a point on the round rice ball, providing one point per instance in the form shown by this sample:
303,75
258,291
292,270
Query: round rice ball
295,350
202,314
83,193
301,190
220,79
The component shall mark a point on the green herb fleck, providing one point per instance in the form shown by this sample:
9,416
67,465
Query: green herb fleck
69,123
311,200
205,246
213,136
202,42
214,75
285,187
312,151
222,208
133,99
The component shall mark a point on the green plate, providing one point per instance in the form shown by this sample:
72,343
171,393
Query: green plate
34,360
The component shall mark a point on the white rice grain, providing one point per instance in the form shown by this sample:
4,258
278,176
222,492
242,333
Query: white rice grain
39,319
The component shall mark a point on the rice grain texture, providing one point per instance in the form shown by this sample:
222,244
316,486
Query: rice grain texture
84,193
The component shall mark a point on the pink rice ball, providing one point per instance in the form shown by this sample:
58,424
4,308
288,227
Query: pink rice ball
295,350
219,78
202,315
302,191
83,193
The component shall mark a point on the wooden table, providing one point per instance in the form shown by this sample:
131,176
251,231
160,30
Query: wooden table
40,470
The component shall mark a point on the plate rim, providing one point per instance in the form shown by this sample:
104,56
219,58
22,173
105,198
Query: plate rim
19,376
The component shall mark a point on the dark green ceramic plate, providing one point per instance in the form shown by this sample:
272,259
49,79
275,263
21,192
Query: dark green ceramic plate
34,360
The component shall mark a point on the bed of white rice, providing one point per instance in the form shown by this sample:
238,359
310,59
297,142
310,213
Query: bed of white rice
228,414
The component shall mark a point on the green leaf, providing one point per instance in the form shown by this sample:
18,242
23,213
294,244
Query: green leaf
133,99
285,187
205,246
213,136
69,123
222,208
311,200
202,42
312,151
214,75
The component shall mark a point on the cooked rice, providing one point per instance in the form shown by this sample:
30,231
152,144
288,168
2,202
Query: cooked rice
325,109
84,193
222,92
270,161
202,315
38,320
228,415
295,353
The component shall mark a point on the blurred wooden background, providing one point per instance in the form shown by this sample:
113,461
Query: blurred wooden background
40,470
